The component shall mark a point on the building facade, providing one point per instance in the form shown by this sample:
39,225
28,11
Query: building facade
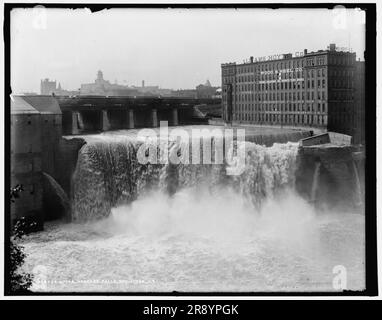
315,89
47,87
35,137
359,112
26,159
206,91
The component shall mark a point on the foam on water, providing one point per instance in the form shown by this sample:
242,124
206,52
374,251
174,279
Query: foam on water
210,232
197,241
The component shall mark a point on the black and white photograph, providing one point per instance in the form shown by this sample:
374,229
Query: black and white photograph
185,149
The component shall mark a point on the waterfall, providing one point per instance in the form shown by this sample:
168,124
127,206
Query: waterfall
316,176
61,194
108,174
80,121
358,184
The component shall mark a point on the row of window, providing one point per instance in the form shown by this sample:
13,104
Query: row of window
292,119
333,59
295,85
346,84
281,107
342,59
341,95
291,96
310,84
293,74
270,66
341,119
310,73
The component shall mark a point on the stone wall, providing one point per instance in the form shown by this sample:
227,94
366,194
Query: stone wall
68,159
26,165
340,181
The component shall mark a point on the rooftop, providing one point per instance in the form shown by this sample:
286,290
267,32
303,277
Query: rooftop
287,56
34,104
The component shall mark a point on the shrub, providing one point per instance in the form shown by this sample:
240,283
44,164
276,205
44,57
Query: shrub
19,282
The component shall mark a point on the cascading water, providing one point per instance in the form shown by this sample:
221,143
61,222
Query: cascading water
193,227
80,121
316,176
358,184
109,174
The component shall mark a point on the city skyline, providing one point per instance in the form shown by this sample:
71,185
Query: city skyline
67,48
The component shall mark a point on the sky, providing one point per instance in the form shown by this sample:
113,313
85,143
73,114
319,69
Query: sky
171,48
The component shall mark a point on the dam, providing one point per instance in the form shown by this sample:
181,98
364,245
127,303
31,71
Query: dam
193,228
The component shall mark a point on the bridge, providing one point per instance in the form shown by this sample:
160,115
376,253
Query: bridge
83,114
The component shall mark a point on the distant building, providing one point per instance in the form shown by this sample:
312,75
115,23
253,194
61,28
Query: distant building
315,89
205,90
145,90
100,87
47,87
218,94
105,88
184,93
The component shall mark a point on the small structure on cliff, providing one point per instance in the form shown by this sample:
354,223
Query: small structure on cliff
331,171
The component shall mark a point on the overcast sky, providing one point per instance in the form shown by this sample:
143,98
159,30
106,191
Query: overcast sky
172,48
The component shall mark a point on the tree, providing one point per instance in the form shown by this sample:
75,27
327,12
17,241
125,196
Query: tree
20,282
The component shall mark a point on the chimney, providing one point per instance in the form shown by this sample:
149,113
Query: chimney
332,47
305,52
143,83
251,59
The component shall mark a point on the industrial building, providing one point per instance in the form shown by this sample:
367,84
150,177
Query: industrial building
321,89
35,137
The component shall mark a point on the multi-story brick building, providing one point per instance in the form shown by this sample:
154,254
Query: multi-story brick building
35,138
315,89
359,110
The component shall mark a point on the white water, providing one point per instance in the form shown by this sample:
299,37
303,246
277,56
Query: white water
316,176
358,185
211,233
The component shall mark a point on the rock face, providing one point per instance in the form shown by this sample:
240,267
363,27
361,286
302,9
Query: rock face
339,176
69,149
56,201
57,184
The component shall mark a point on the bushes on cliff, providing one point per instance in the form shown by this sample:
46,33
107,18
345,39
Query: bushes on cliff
19,282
